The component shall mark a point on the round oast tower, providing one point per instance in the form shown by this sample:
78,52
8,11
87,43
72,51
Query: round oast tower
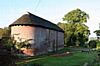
22,29
37,29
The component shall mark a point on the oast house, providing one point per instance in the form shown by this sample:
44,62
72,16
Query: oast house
45,35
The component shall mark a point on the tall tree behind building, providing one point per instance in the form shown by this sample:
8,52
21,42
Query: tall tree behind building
76,32
6,32
1,33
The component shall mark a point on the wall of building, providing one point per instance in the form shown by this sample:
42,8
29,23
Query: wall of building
44,40
53,40
22,33
40,40
60,40
48,40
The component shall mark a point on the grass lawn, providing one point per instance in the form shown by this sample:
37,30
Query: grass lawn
76,59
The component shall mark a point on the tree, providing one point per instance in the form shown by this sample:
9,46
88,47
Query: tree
6,32
76,16
1,32
76,32
92,43
98,38
97,33
7,58
23,44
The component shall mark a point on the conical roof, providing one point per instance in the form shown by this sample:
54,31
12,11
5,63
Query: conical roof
33,20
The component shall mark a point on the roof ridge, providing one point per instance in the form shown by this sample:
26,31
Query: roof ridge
33,20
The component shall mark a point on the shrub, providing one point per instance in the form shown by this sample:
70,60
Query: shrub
6,58
92,43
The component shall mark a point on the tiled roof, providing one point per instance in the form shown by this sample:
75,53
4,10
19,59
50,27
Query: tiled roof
33,20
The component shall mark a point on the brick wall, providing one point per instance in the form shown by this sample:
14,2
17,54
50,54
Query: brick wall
44,40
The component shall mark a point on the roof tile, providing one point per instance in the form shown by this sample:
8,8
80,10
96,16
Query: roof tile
33,20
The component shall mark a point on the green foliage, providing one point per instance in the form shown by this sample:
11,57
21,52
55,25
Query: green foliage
1,32
98,45
7,42
5,37
10,43
75,16
92,43
7,58
8,50
76,32
5,32
97,32
98,42
23,44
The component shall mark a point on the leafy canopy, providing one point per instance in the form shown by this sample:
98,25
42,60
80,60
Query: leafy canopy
76,16
97,32
76,32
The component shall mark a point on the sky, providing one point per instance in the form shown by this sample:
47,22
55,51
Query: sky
52,10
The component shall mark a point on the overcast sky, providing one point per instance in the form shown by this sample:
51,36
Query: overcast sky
52,10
